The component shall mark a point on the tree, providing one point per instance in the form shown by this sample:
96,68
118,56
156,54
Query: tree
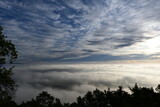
46,100
89,99
158,88
8,54
80,102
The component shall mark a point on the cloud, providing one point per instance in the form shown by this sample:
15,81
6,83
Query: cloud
60,30
68,81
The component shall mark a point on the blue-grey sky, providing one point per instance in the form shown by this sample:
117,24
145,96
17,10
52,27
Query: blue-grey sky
82,30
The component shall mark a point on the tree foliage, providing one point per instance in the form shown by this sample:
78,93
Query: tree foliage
8,54
7,49
44,99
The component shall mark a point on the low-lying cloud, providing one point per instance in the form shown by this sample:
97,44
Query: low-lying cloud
77,79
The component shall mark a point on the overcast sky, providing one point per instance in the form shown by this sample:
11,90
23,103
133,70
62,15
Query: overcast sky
59,43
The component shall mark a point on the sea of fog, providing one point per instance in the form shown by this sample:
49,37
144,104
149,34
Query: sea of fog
68,81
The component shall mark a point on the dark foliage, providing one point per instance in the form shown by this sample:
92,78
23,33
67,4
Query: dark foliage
43,100
7,49
8,54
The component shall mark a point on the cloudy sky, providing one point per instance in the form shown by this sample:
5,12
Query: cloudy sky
52,35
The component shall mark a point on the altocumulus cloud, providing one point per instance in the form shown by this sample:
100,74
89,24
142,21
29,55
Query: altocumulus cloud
65,29
71,80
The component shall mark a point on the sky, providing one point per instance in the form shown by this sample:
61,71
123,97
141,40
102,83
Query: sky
82,30
60,42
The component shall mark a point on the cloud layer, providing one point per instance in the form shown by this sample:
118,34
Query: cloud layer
68,29
69,81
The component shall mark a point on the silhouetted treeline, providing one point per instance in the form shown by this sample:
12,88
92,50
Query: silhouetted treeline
139,97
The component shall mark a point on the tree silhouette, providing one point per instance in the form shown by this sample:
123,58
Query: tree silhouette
8,54
80,102
158,88
43,100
